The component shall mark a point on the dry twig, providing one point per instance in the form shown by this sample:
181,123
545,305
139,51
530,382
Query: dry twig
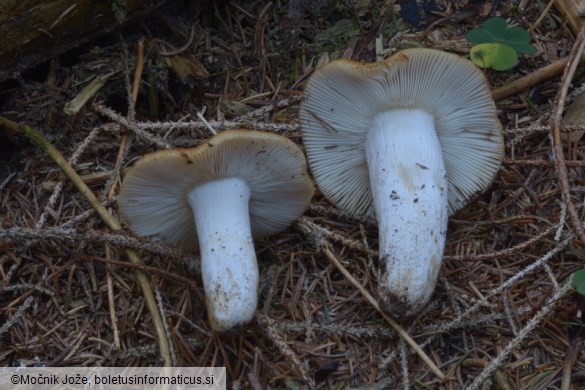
269,327
524,332
573,352
572,63
118,239
324,247
405,336
546,73
143,281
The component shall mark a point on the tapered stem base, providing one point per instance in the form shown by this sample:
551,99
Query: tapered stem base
228,261
409,188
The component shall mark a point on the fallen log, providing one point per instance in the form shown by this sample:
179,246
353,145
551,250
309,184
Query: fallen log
34,31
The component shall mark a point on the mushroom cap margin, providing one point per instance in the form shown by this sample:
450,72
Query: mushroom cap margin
152,199
342,97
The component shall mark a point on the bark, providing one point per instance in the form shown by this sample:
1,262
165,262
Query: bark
33,31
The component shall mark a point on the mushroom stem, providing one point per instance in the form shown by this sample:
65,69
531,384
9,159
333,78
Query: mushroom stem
228,261
409,189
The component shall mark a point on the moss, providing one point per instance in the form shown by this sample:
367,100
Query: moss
334,40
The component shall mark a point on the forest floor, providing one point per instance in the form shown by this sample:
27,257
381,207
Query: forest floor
504,314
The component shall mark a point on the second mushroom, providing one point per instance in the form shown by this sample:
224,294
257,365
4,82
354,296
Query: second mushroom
238,185
411,140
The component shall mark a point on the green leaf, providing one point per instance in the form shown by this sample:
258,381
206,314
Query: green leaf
579,278
479,35
496,26
522,47
497,56
491,31
497,46
517,34
581,289
519,39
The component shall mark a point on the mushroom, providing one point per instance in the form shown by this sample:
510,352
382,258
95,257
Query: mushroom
409,140
238,185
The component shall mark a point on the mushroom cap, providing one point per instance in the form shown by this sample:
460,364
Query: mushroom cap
153,196
342,98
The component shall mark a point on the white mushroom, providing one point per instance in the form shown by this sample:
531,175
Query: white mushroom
410,139
238,185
